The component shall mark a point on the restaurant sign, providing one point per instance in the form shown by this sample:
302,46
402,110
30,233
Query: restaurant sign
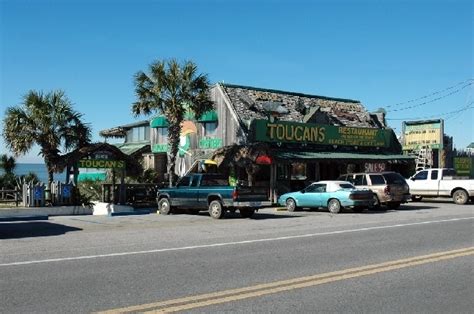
322,134
101,163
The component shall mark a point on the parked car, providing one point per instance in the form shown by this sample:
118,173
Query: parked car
210,192
333,195
441,182
390,188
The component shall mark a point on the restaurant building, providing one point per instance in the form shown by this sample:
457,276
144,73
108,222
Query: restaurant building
280,140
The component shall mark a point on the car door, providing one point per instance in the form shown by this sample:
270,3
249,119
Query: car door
419,182
309,197
181,197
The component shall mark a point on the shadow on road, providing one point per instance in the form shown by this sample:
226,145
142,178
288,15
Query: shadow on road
33,229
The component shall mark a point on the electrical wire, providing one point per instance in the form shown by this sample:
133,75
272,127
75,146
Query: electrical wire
432,100
451,114
468,81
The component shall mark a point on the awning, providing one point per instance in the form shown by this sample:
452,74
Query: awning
92,176
209,116
132,148
263,160
339,155
159,122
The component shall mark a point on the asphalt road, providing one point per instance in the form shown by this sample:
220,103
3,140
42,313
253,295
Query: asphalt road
415,259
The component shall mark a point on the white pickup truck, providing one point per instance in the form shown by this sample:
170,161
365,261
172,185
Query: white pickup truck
441,182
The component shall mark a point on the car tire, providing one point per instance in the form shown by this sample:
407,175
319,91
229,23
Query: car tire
247,213
334,206
416,198
376,205
164,206
460,197
216,210
291,205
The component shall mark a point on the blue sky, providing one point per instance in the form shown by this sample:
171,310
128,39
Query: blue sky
382,53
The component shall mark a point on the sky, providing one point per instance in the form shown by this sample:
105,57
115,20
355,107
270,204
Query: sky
413,58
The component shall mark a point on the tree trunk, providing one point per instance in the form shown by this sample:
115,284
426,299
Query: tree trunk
173,142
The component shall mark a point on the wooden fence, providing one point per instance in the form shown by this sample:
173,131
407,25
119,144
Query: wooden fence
10,196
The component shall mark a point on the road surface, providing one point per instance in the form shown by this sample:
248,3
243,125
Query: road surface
415,259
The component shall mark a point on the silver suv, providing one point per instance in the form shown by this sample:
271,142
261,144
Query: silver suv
389,187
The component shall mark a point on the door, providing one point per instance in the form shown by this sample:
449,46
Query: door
418,183
311,196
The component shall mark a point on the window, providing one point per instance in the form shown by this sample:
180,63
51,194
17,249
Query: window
298,171
311,188
195,180
394,178
184,181
360,180
319,188
423,175
434,174
138,134
162,135
377,179
210,128
346,186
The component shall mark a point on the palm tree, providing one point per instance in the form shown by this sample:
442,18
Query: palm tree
7,163
47,120
171,89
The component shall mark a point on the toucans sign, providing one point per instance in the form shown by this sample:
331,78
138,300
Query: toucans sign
101,163
322,134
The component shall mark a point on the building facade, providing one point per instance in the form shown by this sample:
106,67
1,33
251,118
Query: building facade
294,138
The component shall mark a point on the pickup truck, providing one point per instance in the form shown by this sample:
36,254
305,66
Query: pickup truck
211,192
440,182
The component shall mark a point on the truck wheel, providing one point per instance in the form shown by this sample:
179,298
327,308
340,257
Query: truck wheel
416,198
334,206
291,205
460,197
164,206
247,213
215,210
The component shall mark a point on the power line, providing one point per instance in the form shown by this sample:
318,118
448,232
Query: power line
432,100
432,94
467,107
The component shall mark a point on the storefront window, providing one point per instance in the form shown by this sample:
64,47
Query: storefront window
298,171
210,128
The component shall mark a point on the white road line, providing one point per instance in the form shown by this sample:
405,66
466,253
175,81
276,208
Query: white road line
63,259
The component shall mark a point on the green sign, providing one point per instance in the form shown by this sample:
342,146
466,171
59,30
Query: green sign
159,148
464,166
210,143
322,134
101,163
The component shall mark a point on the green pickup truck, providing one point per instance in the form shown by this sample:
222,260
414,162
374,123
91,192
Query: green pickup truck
211,192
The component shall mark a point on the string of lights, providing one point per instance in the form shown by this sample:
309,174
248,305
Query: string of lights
468,82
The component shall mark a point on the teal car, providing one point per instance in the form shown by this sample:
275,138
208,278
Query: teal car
333,195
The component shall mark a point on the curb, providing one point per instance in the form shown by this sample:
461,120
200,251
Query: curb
24,218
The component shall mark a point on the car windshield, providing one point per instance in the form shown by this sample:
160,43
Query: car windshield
347,186
394,178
